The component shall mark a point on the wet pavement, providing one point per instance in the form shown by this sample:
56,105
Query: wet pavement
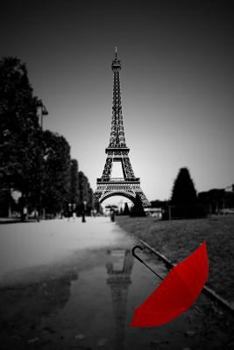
83,297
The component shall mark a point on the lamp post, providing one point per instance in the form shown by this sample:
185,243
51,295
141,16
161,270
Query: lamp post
69,210
74,211
42,112
83,211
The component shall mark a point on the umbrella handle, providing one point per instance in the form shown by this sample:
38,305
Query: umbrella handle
135,255
138,258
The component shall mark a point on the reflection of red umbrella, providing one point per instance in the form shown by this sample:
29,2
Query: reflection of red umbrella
176,293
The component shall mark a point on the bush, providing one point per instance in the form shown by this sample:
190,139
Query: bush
137,209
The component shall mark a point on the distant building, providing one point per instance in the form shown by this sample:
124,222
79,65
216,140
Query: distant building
109,208
154,212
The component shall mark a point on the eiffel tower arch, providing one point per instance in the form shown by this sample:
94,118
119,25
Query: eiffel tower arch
117,151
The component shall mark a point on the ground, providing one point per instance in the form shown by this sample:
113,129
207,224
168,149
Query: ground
178,238
57,290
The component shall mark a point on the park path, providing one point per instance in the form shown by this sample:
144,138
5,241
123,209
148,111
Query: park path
72,285
32,244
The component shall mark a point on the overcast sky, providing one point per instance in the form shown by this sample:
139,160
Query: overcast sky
176,82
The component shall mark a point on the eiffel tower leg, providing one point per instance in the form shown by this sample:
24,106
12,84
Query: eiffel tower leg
107,169
144,200
138,191
97,196
127,168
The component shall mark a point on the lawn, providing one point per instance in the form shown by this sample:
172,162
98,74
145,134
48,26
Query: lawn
178,238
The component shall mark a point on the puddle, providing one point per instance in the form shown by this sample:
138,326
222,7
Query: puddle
100,306
90,305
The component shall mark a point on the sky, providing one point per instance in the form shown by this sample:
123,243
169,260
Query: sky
177,82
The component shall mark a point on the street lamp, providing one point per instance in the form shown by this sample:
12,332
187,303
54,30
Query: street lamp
83,211
69,210
43,111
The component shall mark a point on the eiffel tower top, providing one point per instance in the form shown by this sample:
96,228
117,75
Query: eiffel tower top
117,136
116,64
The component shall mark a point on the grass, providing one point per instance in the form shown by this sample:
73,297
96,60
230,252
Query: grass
178,238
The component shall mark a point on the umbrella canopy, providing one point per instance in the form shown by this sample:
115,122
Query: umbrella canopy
176,293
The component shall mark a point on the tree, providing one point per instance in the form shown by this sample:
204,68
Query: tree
184,203
121,211
86,193
215,200
126,209
74,182
35,163
138,209
183,191
56,173
19,130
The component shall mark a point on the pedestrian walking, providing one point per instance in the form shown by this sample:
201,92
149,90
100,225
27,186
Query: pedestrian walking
36,215
24,214
112,215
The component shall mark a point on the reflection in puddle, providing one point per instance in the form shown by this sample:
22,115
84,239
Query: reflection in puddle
94,310
101,305
119,280
23,307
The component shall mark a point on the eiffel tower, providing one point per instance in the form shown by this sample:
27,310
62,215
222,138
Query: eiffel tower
117,151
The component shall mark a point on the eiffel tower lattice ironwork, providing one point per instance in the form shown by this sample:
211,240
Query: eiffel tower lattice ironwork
117,151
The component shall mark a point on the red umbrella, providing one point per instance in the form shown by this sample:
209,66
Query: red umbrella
176,293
